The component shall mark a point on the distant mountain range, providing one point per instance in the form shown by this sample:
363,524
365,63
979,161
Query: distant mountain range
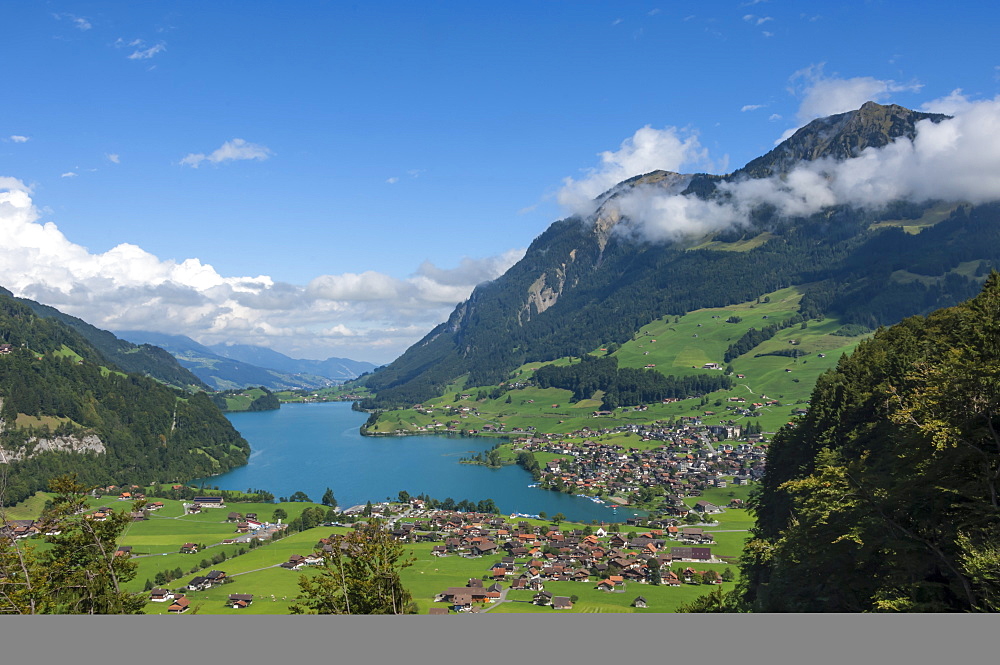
228,366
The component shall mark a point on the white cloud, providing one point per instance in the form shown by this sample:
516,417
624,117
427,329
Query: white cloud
823,95
956,160
647,150
952,103
17,138
79,22
752,107
757,20
68,174
114,158
147,53
393,180
369,316
237,149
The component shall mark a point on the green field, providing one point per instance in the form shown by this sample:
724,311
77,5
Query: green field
678,345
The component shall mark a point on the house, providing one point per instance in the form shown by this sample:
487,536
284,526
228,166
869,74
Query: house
240,600
216,576
160,595
179,605
542,598
606,585
562,603
124,550
209,501
189,548
639,602
199,583
707,508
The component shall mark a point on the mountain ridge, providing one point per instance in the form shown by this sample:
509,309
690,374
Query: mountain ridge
585,281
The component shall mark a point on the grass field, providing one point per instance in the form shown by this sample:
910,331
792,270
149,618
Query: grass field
677,345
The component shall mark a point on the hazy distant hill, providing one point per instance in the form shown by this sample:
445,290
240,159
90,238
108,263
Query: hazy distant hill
225,372
588,282
337,369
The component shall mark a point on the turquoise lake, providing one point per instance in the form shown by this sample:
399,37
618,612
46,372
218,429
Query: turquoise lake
309,447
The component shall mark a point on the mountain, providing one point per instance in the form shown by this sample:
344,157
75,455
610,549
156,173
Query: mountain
884,496
64,407
335,369
226,372
144,359
586,282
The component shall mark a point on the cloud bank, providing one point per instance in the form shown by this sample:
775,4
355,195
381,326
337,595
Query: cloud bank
368,316
957,159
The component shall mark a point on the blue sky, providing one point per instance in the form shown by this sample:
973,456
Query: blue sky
331,178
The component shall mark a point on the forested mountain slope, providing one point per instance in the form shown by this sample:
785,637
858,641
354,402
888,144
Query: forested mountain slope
588,282
886,495
138,359
65,408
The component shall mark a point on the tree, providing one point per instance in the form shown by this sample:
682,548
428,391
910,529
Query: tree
328,498
542,515
279,514
361,575
404,496
300,496
558,517
368,509
80,573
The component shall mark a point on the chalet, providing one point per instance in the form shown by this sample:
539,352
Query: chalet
199,583
542,598
179,605
606,585
240,600
189,548
124,551
160,595
234,517
639,602
707,508
216,577
669,578
562,603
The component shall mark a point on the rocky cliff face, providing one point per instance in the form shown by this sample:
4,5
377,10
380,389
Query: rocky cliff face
35,445
86,443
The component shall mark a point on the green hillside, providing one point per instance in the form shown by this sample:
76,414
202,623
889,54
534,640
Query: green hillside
109,426
673,345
